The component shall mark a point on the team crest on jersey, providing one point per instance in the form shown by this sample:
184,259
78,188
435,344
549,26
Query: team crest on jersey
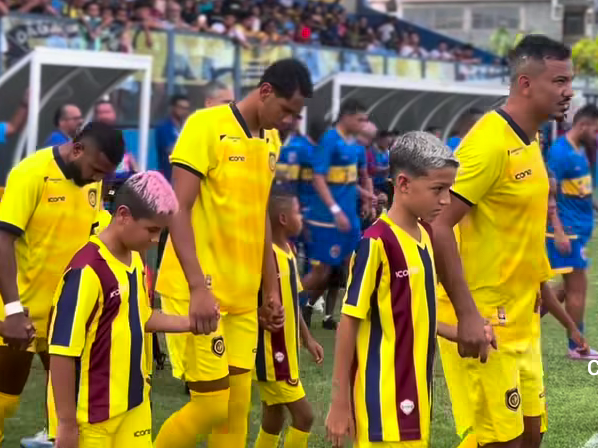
501,314
407,407
292,382
272,161
292,157
279,357
583,253
335,251
218,345
208,282
92,196
512,399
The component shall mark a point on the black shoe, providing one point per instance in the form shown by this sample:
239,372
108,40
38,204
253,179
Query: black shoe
329,324
307,312
160,361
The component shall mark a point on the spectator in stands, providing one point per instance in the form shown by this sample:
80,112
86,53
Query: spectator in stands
467,55
190,12
9,128
174,18
167,132
34,7
67,120
442,52
104,112
412,48
387,30
217,93
270,34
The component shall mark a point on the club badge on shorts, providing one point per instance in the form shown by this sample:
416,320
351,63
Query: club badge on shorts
272,161
512,399
218,345
501,314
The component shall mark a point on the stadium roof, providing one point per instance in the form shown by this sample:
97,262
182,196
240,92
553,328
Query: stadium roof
400,104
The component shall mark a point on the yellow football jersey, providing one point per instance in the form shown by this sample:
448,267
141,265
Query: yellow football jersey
392,291
276,357
53,218
100,310
229,215
503,177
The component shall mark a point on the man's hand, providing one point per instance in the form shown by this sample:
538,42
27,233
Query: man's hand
340,424
472,337
562,243
67,435
315,349
271,316
342,222
490,337
18,331
204,311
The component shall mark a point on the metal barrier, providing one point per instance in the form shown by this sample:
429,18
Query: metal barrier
183,59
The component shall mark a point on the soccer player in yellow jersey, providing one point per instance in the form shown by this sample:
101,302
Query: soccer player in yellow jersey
500,201
277,363
385,346
219,252
47,213
98,366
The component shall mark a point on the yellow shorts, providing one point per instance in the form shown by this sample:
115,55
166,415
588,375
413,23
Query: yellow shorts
207,358
507,387
407,444
454,368
280,392
133,429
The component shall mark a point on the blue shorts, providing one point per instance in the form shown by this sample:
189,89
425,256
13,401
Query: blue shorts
329,246
577,259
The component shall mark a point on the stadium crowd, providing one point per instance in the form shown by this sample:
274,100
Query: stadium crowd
249,22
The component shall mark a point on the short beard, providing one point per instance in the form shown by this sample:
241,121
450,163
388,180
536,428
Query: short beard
74,173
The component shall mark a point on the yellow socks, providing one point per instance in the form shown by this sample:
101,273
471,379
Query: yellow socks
469,441
233,434
194,420
8,406
265,440
295,438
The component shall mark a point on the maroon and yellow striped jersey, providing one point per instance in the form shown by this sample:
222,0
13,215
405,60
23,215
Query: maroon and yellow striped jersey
100,310
392,292
277,353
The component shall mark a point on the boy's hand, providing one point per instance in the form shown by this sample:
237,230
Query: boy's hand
271,317
67,435
316,350
339,424
580,341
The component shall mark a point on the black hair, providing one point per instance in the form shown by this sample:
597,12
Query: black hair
351,107
108,139
281,199
174,99
126,196
288,76
588,111
59,114
539,48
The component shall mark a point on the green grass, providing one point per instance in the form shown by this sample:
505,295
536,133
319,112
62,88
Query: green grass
571,391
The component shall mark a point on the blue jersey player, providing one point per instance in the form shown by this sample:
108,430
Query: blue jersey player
338,163
570,229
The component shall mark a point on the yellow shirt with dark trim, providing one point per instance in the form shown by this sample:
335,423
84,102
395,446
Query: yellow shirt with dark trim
53,218
503,177
100,310
229,214
277,353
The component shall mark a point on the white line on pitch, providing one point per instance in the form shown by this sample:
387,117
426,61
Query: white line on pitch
593,442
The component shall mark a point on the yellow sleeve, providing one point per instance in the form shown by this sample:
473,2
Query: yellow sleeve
362,278
196,148
74,302
21,196
480,166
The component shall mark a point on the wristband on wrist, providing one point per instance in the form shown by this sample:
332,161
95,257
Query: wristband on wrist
334,209
13,308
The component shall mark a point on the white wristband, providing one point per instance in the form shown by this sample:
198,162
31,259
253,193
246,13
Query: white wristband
13,308
334,209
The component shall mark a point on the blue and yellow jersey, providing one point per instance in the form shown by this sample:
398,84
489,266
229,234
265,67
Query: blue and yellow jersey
276,357
294,167
392,293
99,314
380,159
571,169
338,159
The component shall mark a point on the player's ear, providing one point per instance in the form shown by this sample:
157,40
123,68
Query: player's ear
282,219
266,90
78,149
402,183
